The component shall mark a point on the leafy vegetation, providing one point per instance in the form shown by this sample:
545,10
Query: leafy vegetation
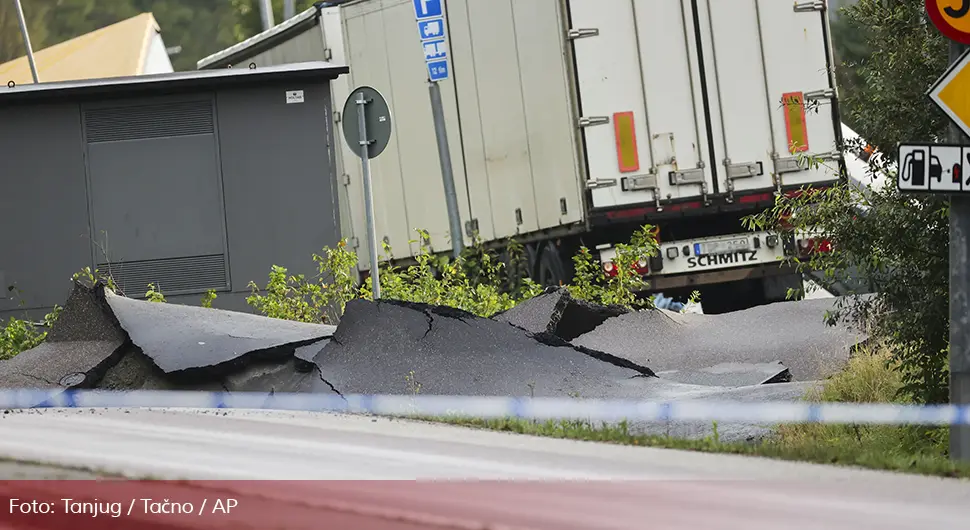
478,281
19,335
903,54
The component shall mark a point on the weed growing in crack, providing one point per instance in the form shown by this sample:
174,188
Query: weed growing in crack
692,300
93,277
154,294
208,297
414,387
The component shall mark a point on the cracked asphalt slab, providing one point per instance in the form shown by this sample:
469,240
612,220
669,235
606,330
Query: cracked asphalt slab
392,348
105,341
556,312
207,338
77,351
792,333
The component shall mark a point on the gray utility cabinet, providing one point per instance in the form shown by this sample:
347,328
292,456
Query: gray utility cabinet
192,181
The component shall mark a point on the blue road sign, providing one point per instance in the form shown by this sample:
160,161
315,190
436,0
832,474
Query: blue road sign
431,29
438,70
427,9
435,50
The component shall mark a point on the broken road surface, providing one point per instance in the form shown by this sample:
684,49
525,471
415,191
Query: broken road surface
550,346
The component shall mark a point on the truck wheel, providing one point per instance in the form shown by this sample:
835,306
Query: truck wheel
550,270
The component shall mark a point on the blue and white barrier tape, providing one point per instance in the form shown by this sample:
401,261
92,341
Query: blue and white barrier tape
502,407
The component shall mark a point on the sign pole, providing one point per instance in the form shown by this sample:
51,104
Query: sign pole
368,194
959,295
447,172
430,16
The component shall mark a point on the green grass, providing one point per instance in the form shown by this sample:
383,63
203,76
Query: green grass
868,378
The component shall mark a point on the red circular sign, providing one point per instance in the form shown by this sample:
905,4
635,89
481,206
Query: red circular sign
951,17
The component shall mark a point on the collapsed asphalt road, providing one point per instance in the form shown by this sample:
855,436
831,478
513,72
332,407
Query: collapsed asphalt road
550,346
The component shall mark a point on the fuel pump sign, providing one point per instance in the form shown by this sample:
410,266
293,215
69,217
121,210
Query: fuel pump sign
933,168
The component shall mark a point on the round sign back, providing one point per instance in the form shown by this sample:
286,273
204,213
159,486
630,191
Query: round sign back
951,17
377,118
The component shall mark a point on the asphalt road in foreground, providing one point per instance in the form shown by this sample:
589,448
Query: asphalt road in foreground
563,484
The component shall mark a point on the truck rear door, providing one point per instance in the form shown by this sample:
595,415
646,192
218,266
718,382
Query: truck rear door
641,101
767,68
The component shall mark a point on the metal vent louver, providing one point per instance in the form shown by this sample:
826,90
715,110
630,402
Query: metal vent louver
194,274
149,121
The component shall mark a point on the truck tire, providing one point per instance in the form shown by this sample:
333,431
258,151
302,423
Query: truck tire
550,269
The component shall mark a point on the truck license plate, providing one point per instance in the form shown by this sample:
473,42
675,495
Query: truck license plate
721,247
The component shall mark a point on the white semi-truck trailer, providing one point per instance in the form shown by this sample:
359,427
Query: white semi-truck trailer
575,122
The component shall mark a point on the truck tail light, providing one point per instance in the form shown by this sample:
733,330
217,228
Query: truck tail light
642,267
814,245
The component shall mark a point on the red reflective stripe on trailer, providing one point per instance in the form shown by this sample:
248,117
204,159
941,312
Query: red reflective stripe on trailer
684,206
627,155
640,212
632,212
760,197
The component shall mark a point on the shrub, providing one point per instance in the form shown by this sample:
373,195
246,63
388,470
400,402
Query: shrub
18,336
478,281
623,288
472,282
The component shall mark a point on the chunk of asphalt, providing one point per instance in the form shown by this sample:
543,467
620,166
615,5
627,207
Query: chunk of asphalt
793,333
539,314
82,344
309,352
180,338
732,375
558,313
400,348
